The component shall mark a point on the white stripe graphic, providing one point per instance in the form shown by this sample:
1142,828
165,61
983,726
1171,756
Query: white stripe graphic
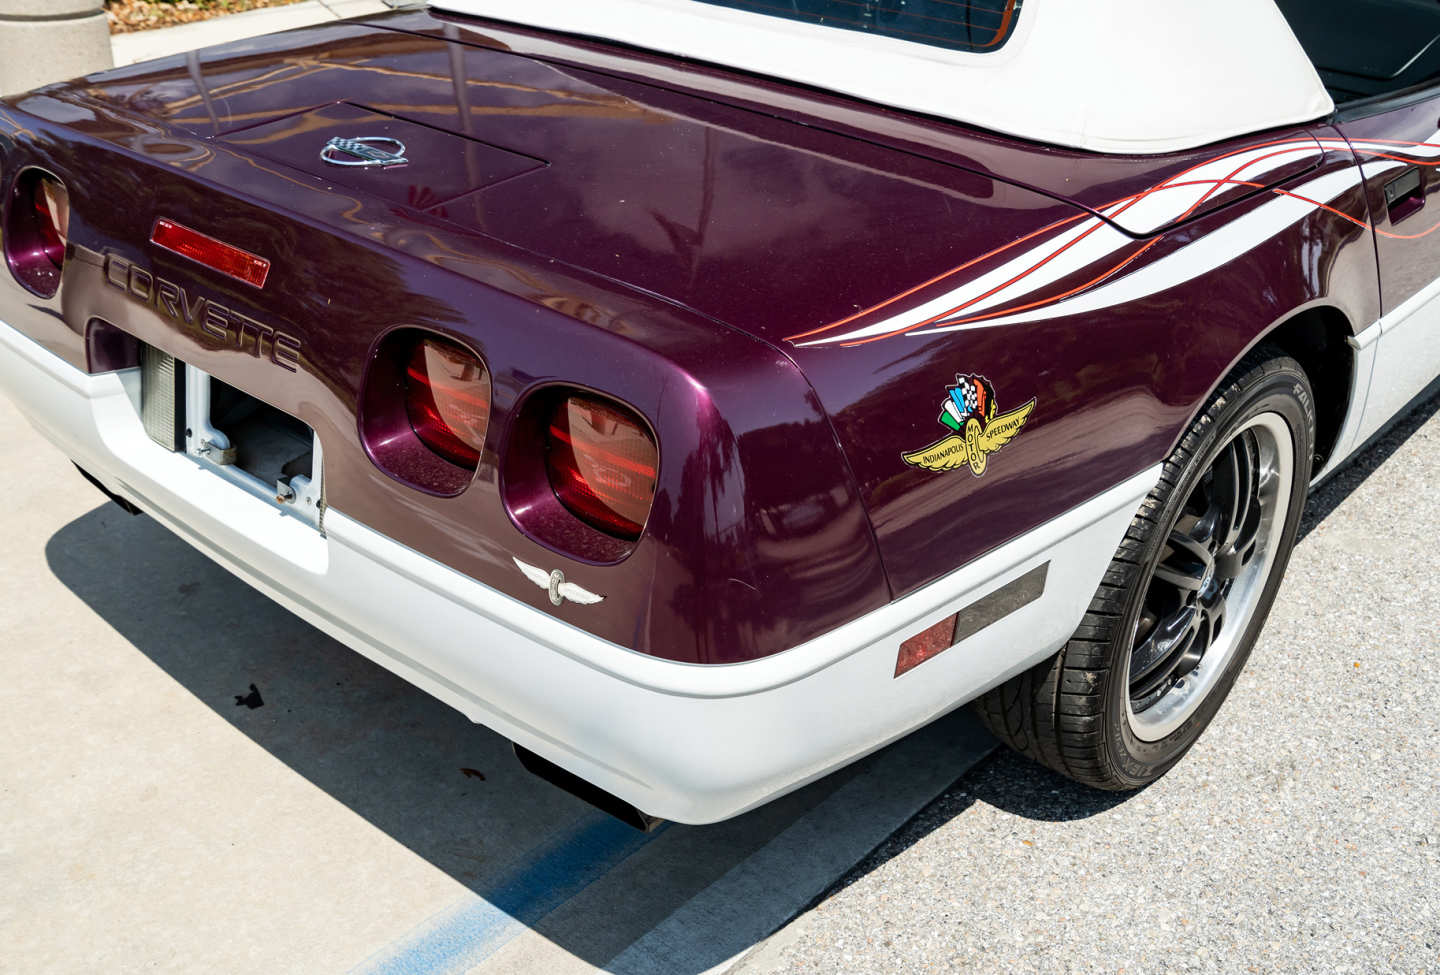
1167,202
1203,256
1099,240
1086,243
1093,240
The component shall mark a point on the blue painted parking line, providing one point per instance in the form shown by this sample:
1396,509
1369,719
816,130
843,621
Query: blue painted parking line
536,919
465,935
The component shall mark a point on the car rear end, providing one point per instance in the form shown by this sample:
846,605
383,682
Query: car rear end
613,528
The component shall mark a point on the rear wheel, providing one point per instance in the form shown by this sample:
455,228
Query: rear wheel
1185,597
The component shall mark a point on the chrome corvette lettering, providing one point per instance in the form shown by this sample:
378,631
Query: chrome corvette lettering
202,314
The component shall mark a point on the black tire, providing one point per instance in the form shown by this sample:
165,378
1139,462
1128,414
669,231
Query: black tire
1076,712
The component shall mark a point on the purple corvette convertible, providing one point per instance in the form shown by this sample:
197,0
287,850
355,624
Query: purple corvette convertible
704,393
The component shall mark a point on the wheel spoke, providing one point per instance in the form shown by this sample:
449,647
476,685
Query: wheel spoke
1207,525
1242,535
1207,624
1227,492
1215,616
1229,565
1243,462
1155,657
1188,563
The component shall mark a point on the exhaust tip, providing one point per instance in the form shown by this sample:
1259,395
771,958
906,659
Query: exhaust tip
123,503
578,787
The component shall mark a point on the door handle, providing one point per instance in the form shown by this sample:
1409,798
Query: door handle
1404,195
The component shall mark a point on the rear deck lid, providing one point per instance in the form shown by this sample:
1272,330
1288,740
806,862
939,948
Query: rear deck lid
772,223
769,226
374,152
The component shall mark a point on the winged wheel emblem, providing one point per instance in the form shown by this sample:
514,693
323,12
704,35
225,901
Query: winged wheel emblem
979,428
555,583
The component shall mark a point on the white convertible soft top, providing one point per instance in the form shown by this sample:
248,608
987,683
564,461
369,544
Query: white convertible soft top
1122,76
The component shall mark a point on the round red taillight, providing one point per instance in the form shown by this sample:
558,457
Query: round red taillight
601,460
447,398
37,229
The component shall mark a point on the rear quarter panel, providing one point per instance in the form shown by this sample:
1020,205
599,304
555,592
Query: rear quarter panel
1115,386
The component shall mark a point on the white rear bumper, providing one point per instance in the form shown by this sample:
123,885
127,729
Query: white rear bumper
689,743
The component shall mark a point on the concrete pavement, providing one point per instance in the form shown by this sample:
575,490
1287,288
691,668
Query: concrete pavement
146,44
50,40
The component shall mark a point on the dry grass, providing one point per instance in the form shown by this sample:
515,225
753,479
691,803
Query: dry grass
132,15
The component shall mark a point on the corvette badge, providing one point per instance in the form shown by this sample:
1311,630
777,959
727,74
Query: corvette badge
371,150
979,428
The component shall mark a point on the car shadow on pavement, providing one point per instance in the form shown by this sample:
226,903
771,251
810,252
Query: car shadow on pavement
537,860
1004,780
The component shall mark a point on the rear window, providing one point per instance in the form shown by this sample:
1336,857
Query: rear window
955,25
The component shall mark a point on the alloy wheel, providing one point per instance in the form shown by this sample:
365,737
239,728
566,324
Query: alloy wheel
1212,567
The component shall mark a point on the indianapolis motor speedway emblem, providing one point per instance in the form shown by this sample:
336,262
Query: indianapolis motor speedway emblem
979,429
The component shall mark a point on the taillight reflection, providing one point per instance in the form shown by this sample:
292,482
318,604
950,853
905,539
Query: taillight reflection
447,397
37,231
601,462
52,218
